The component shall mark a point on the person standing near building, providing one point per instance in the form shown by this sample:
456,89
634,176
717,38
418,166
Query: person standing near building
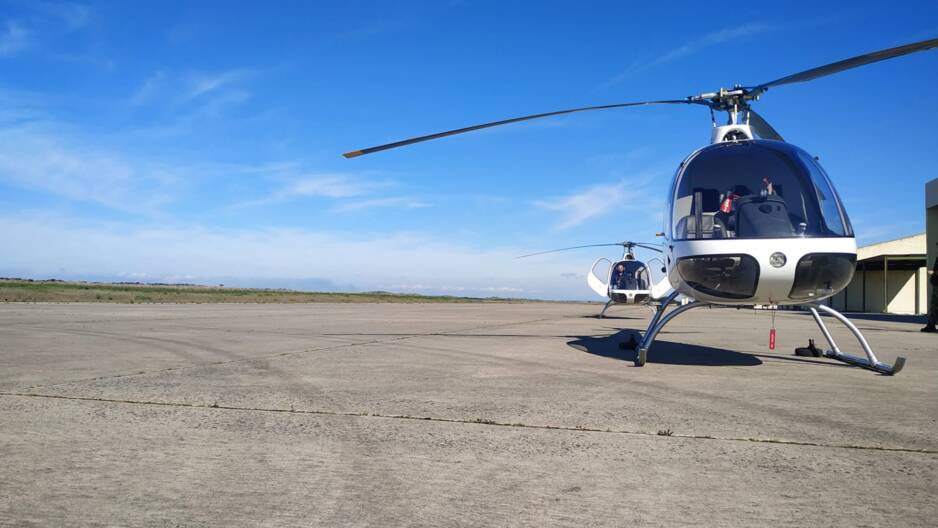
933,304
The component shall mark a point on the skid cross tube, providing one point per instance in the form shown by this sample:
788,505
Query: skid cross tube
869,362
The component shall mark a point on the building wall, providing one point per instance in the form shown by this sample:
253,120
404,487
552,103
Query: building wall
901,292
854,294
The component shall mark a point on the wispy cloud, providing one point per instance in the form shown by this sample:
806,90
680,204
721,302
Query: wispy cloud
34,157
402,202
350,192
688,48
270,256
90,60
43,19
328,186
300,185
14,38
598,200
150,88
73,16
203,84
210,92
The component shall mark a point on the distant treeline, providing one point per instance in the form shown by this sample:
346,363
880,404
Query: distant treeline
56,290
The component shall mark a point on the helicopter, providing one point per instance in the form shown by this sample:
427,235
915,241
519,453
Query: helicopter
750,220
627,280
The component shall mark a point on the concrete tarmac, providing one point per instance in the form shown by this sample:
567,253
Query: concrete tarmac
455,415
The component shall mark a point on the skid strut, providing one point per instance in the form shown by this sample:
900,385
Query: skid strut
869,362
602,313
657,323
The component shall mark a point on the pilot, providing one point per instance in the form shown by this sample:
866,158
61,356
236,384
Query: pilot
617,275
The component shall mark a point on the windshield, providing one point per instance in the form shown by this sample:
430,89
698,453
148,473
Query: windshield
755,189
629,275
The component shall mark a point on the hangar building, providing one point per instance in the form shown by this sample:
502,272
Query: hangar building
892,276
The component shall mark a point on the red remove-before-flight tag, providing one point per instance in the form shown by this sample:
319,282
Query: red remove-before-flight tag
772,339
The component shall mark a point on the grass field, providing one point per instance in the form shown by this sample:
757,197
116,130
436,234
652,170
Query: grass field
15,290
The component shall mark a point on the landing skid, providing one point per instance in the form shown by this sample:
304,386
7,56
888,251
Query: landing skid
869,362
660,319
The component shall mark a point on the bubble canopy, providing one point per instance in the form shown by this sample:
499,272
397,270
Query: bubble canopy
755,189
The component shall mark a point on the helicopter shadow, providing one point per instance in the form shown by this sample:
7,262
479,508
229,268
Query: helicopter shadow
663,352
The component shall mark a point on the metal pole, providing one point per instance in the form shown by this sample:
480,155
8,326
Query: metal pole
885,284
864,286
846,299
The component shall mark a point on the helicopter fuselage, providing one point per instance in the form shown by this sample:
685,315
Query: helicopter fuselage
756,222
771,285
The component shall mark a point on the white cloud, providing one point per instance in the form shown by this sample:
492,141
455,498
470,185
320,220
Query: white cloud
35,158
203,84
195,94
402,202
343,188
50,245
598,200
688,48
326,185
14,38
150,88
47,17
74,16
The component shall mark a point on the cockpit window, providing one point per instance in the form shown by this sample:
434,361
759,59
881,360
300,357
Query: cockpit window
629,275
755,189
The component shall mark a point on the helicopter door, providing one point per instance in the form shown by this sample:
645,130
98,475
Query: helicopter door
660,285
599,283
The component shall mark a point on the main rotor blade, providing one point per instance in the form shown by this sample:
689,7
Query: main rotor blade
567,249
648,246
762,127
846,64
626,244
438,135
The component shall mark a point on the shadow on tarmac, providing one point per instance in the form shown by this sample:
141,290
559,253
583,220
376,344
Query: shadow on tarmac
596,316
663,352
888,318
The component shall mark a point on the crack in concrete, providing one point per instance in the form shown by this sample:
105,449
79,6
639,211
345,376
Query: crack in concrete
477,421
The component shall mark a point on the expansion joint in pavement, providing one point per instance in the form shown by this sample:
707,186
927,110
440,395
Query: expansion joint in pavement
476,421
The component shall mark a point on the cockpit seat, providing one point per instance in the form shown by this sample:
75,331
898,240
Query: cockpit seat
711,227
763,217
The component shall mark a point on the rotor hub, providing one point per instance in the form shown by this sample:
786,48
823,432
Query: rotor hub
734,99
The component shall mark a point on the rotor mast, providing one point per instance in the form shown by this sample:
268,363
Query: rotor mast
735,102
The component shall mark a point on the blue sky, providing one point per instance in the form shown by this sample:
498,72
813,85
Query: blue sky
201,141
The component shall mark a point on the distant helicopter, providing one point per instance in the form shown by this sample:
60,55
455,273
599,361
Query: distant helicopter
748,222
628,280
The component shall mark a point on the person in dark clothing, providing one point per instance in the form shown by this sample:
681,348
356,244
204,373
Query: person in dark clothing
617,275
933,305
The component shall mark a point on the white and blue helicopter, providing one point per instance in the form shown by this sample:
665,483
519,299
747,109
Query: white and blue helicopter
750,219
628,280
